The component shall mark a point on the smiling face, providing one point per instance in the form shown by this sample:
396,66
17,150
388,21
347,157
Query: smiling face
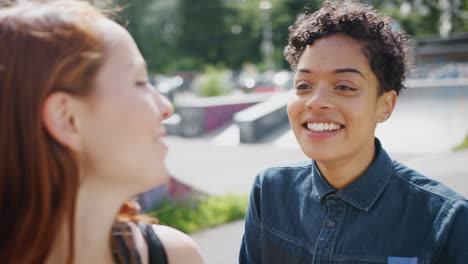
336,106
120,122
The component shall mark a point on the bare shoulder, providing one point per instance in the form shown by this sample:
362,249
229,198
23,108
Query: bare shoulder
180,248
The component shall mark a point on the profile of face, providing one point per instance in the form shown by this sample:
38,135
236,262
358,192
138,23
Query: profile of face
336,107
115,132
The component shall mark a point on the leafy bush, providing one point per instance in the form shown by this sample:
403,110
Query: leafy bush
195,215
212,82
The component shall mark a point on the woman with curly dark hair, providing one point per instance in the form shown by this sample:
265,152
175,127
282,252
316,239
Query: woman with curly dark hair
80,134
351,203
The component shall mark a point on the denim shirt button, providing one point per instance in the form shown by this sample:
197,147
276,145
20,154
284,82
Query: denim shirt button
331,223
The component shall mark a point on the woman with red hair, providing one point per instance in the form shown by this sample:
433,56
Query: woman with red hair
80,134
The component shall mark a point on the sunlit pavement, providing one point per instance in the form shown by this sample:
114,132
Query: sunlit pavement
221,170
220,245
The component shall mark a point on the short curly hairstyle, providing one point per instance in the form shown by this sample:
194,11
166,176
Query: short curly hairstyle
386,49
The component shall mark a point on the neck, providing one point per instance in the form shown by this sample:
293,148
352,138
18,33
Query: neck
96,208
340,173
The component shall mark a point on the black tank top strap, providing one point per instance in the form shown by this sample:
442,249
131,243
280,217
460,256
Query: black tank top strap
123,245
157,254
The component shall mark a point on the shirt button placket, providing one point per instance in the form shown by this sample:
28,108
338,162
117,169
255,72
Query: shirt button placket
327,236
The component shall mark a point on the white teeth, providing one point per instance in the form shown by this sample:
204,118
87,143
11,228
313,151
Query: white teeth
318,127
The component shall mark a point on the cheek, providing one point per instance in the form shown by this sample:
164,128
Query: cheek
361,114
294,109
134,112
121,123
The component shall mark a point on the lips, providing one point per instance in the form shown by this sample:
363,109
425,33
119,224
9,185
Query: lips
161,132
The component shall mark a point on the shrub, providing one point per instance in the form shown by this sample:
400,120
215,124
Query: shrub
212,82
197,214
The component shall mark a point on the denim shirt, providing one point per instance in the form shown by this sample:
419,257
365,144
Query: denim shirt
390,214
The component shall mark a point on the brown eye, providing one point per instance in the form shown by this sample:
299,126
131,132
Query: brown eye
345,88
303,86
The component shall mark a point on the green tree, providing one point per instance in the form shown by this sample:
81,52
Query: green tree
247,18
202,33
155,26
460,22
243,33
284,14
187,35
425,17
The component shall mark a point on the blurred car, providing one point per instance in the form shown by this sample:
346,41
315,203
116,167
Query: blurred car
167,85
267,82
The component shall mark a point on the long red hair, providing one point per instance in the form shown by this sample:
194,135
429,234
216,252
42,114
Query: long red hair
43,49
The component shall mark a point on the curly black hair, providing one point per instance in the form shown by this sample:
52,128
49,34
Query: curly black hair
386,49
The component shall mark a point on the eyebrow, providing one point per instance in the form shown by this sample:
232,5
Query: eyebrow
337,71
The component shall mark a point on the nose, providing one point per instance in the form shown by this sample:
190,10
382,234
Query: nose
167,109
319,99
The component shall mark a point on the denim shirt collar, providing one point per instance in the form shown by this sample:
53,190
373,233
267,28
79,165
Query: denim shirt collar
365,190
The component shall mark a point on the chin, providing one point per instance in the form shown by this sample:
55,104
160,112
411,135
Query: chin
161,176
164,176
151,179
320,155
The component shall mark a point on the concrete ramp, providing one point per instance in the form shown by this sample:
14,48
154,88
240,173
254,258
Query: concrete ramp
430,117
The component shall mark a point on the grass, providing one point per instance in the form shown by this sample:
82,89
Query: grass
195,215
463,145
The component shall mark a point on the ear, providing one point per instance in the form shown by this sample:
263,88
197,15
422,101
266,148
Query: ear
58,118
386,103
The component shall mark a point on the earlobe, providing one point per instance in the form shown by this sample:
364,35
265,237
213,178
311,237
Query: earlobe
59,120
386,105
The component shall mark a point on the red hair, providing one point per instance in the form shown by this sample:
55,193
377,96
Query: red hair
43,49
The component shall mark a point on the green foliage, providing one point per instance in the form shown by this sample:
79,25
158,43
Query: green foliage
243,33
283,14
202,31
176,35
460,22
212,83
463,145
155,25
195,215
424,18
419,24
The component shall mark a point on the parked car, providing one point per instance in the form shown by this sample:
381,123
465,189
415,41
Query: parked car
167,85
269,81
